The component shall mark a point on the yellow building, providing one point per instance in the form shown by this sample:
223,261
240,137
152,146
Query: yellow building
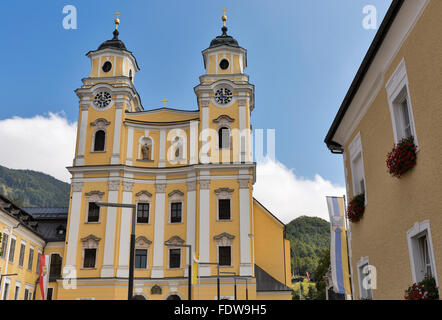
190,174
396,94
21,247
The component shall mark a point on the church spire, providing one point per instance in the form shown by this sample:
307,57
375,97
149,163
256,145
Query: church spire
224,39
224,19
117,20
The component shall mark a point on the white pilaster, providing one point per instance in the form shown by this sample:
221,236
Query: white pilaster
115,159
130,145
245,267
193,142
125,230
204,131
74,224
190,221
204,232
79,160
158,242
242,137
109,239
162,150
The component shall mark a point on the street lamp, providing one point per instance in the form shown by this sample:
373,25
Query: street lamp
234,279
189,295
132,241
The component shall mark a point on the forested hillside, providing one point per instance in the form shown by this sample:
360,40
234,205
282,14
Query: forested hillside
29,188
308,236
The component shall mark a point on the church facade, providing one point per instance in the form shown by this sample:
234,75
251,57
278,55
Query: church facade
190,175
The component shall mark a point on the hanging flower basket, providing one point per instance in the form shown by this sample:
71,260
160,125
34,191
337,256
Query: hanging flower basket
402,158
424,290
356,208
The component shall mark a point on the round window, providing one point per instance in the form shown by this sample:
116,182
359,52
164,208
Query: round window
107,66
224,64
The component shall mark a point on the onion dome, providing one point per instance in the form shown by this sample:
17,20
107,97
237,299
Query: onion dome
114,43
224,39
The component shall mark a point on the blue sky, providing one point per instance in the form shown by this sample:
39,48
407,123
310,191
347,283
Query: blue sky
302,57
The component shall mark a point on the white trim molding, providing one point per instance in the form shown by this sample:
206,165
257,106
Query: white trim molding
368,293
417,231
357,170
398,92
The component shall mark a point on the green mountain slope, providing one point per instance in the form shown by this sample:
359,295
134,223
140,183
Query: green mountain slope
29,188
308,236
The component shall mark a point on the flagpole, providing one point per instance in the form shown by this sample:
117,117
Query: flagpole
348,235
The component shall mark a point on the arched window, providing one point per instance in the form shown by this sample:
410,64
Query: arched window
99,141
224,138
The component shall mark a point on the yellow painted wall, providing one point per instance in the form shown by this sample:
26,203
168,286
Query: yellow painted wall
24,275
269,244
394,205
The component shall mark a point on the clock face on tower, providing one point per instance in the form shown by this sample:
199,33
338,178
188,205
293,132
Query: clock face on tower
102,99
223,96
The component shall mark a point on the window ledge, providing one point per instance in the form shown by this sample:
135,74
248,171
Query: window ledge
104,151
87,222
145,160
224,220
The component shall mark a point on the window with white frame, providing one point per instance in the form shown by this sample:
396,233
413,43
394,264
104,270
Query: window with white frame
174,252
224,244
21,258
99,135
142,252
31,258
364,279
357,166
224,133
17,290
174,258
37,270
143,206
421,252
176,199
93,212
224,199
12,250
4,248
6,289
90,247
399,101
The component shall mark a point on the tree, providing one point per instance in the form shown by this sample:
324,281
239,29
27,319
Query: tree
312,293
321,270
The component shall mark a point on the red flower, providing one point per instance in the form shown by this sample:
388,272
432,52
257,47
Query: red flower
402,157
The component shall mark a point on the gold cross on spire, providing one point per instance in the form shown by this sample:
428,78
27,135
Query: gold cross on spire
117,20
224,17
164,101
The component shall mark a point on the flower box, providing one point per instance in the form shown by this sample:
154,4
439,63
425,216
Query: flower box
402,158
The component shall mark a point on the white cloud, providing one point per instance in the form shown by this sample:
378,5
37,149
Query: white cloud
41,143
288,196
